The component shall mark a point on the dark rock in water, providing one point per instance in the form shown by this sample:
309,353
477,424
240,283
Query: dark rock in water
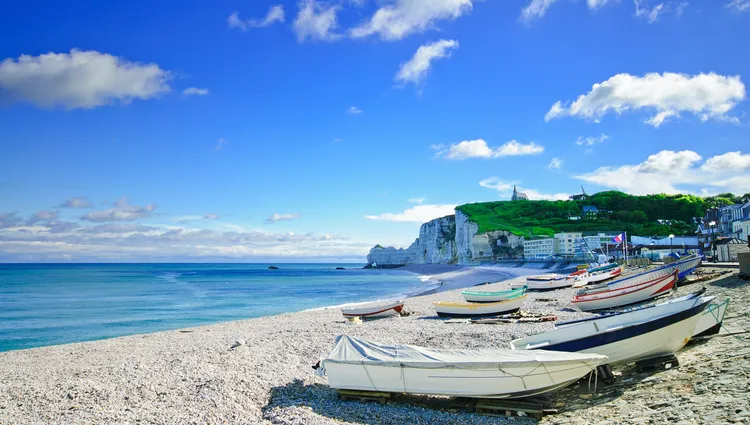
340,268
272,268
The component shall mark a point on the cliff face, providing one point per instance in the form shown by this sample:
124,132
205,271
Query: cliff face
450,240
435,245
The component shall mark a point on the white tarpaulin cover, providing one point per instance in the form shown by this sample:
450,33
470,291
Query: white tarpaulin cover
350,350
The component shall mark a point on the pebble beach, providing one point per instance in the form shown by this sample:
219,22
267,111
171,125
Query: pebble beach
194,376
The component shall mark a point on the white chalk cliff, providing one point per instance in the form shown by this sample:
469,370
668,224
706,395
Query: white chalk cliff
450,240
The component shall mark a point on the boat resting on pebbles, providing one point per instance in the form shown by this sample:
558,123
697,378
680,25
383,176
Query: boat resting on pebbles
356,364
492,297
452,309
373,311
628,336
611,296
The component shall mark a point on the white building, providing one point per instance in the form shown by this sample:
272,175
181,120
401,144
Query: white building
566,242
741,229
542,247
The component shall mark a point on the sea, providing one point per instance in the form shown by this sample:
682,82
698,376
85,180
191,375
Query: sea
49,304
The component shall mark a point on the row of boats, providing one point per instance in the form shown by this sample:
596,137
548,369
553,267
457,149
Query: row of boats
543,362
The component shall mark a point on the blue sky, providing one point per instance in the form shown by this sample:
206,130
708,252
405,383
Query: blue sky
312,130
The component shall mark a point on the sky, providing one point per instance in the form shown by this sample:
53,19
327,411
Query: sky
312,130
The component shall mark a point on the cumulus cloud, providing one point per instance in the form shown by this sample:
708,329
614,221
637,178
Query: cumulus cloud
195,91
555,164
739,5
122,211
353,110
505,190
275,14
479,149
416,214
316,21
283,217
79,79
677,172
708,96
400,18
77,202
591,140
417,68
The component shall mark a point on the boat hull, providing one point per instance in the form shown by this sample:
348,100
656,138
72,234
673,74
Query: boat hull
545,285
374,311
626,337
482,383
614,298
444,309
492,297
711,320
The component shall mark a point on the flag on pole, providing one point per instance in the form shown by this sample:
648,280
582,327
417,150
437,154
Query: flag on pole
618,238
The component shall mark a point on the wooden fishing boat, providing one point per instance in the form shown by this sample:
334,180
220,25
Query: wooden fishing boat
491,297
629,336
597,277
360,365
450,309
606,298
712,319
372,311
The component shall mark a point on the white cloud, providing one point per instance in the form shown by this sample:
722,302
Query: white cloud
479,149
353,110
77,202
134,242
416,214
122,211
44,215
677,172
708,96
275,14
211,216
283,217
195,91
416,69
221,143
316,21
505,190
79,79
555,164
728,162
535,9
651,14
400,18
596,4
419,200
739,5
591,140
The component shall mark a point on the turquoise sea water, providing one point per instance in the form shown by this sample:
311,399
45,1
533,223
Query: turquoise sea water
47,304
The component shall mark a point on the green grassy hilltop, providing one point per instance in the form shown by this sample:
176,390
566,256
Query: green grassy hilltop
618,211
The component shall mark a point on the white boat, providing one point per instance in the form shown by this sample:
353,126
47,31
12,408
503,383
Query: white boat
356,364
683,266
372,311
628,336
492,297
711,321
606,298
603,275
451,309
549,285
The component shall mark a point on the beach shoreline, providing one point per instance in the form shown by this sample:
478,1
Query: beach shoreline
193,376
